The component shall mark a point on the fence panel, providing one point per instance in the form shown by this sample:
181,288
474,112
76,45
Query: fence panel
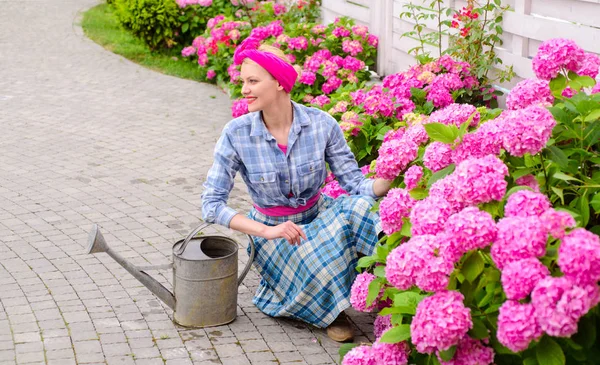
526,25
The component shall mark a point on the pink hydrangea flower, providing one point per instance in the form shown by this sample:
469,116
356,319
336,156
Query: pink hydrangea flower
527,130
517,325
518,238
429,215
589,66
279,9
439,96
470,352
526,203
520,277
298,43
556,54
307,78
360,355
360,30
437,262
390,353
360,290
412,176
353,64
440,322
456,114
372,40
318,29
480,180
556,222
312,64
568,92
351,122
382,324
333,189
596,88
446,189
332,84
188,51
579,256
203,60
530,181
471,229
393,157
330,68
449,81
239,108
341,32
321,100
352,47
559,303
529,92
437,156
210,74
402,264
393,208
417,134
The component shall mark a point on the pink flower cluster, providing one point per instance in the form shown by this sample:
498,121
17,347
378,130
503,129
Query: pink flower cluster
480,180
350,123
423,261
359,292
437,156
456,114
239,108
394,207
380,354
412,176
441,321
525,203
184,3
527,130
529,92
470,352
555,55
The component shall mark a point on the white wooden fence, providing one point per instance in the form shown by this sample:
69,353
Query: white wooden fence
526,25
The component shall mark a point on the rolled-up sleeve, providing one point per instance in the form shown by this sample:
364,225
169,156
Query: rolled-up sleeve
343,164
219,182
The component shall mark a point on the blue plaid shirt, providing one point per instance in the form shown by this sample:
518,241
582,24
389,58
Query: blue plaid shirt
247,146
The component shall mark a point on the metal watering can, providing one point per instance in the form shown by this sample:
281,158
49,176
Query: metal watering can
205,280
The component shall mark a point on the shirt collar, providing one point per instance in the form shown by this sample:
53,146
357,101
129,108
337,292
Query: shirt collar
301,119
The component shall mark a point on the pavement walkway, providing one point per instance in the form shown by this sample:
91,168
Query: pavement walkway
88,137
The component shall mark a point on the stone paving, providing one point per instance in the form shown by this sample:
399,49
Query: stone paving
89,137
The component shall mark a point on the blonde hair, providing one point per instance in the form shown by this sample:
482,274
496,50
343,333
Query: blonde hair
279,53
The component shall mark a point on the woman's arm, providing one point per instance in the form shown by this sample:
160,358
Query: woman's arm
381,186
288,230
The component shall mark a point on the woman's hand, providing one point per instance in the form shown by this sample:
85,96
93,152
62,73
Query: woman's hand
288,230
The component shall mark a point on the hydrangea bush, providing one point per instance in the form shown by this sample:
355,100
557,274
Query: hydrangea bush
484,261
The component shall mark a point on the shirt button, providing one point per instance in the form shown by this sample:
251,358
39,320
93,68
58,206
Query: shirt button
262,179
311,168
287,181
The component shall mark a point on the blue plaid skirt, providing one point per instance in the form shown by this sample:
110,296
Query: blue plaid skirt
311,282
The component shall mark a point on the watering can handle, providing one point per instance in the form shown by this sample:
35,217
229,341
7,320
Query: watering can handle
204,225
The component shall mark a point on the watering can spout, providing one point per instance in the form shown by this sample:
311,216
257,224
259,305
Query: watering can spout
97,243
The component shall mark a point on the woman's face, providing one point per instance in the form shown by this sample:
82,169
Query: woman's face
258,86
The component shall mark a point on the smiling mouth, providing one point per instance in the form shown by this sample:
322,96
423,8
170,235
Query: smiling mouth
250,100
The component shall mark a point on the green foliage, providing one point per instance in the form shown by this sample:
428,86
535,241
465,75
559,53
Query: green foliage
153,21
193,19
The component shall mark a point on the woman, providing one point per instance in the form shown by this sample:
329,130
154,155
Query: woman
306,244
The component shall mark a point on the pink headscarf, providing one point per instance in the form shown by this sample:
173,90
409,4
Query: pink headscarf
279,69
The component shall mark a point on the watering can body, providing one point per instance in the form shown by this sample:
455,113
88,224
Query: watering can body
205,277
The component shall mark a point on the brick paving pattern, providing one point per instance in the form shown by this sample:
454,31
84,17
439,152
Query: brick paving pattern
89,137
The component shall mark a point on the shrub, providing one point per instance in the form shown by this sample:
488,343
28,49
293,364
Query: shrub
154,21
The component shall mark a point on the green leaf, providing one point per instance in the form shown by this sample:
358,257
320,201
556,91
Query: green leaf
447,355
379,271
408,299
479,330
586,332
473,266
418,193
549,352
374,290
558,156
406,226
557,85
396,334
595,203
517,173
594,114
441,132
438,175
185,27
345,348
559,192
366,261
530,361
584,208
561,176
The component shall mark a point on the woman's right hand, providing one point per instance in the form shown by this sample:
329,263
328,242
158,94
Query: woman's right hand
288,230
